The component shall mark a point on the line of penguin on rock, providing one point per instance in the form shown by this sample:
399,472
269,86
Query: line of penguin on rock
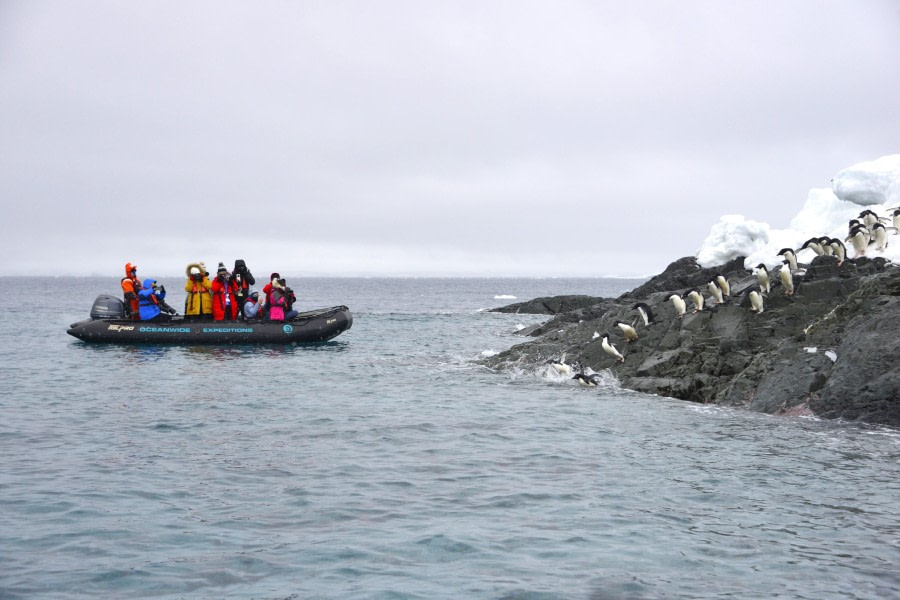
865,230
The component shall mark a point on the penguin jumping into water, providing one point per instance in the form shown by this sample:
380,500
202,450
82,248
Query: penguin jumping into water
585,380
715,291
697,298
678,303
791,258
628,331
560,365
787,279
611,349
645,312
762,276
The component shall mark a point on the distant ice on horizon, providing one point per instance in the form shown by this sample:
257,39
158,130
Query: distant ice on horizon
872,185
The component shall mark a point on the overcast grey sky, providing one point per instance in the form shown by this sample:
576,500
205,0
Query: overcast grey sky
425,138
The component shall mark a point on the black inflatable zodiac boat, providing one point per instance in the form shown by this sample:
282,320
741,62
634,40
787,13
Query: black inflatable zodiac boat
109,325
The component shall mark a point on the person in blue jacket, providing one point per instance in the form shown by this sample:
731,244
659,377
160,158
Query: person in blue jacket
253,306
152,302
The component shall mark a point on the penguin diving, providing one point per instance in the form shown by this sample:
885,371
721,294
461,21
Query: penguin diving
611,349
645,312
586,380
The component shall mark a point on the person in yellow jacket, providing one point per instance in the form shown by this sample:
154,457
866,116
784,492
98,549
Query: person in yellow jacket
198,304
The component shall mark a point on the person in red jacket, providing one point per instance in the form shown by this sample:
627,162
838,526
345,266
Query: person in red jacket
266,296
130,288
224,303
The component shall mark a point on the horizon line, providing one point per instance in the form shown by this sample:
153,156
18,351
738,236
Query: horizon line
379,276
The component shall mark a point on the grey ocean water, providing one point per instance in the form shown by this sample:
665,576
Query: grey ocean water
388,464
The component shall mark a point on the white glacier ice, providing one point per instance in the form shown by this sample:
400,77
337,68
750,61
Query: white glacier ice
731,237
872,185
869,183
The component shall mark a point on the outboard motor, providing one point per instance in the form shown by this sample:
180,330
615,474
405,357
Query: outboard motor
108,307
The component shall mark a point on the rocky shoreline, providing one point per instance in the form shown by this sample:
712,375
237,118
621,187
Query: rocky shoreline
830,350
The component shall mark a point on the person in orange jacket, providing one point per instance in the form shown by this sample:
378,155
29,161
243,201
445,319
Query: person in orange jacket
130,288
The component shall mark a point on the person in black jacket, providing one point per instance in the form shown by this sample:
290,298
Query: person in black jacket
244,279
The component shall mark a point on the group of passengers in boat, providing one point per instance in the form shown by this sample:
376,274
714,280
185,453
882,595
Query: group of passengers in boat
227,297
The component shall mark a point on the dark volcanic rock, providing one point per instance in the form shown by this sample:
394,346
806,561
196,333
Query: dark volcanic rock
831,349
549,306
684,274
864,383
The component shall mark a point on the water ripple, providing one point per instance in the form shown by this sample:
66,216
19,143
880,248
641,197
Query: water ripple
386,466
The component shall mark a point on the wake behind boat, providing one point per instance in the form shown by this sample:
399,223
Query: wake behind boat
109,325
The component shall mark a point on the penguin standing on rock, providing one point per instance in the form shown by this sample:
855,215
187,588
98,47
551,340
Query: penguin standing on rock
838,249
787,279
715,291
859,237
724,285
628,331
825,242
880,236
895,217
610,348
645,312
869,218
815,245
790,257
697,298
756,300
762,276
678,303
